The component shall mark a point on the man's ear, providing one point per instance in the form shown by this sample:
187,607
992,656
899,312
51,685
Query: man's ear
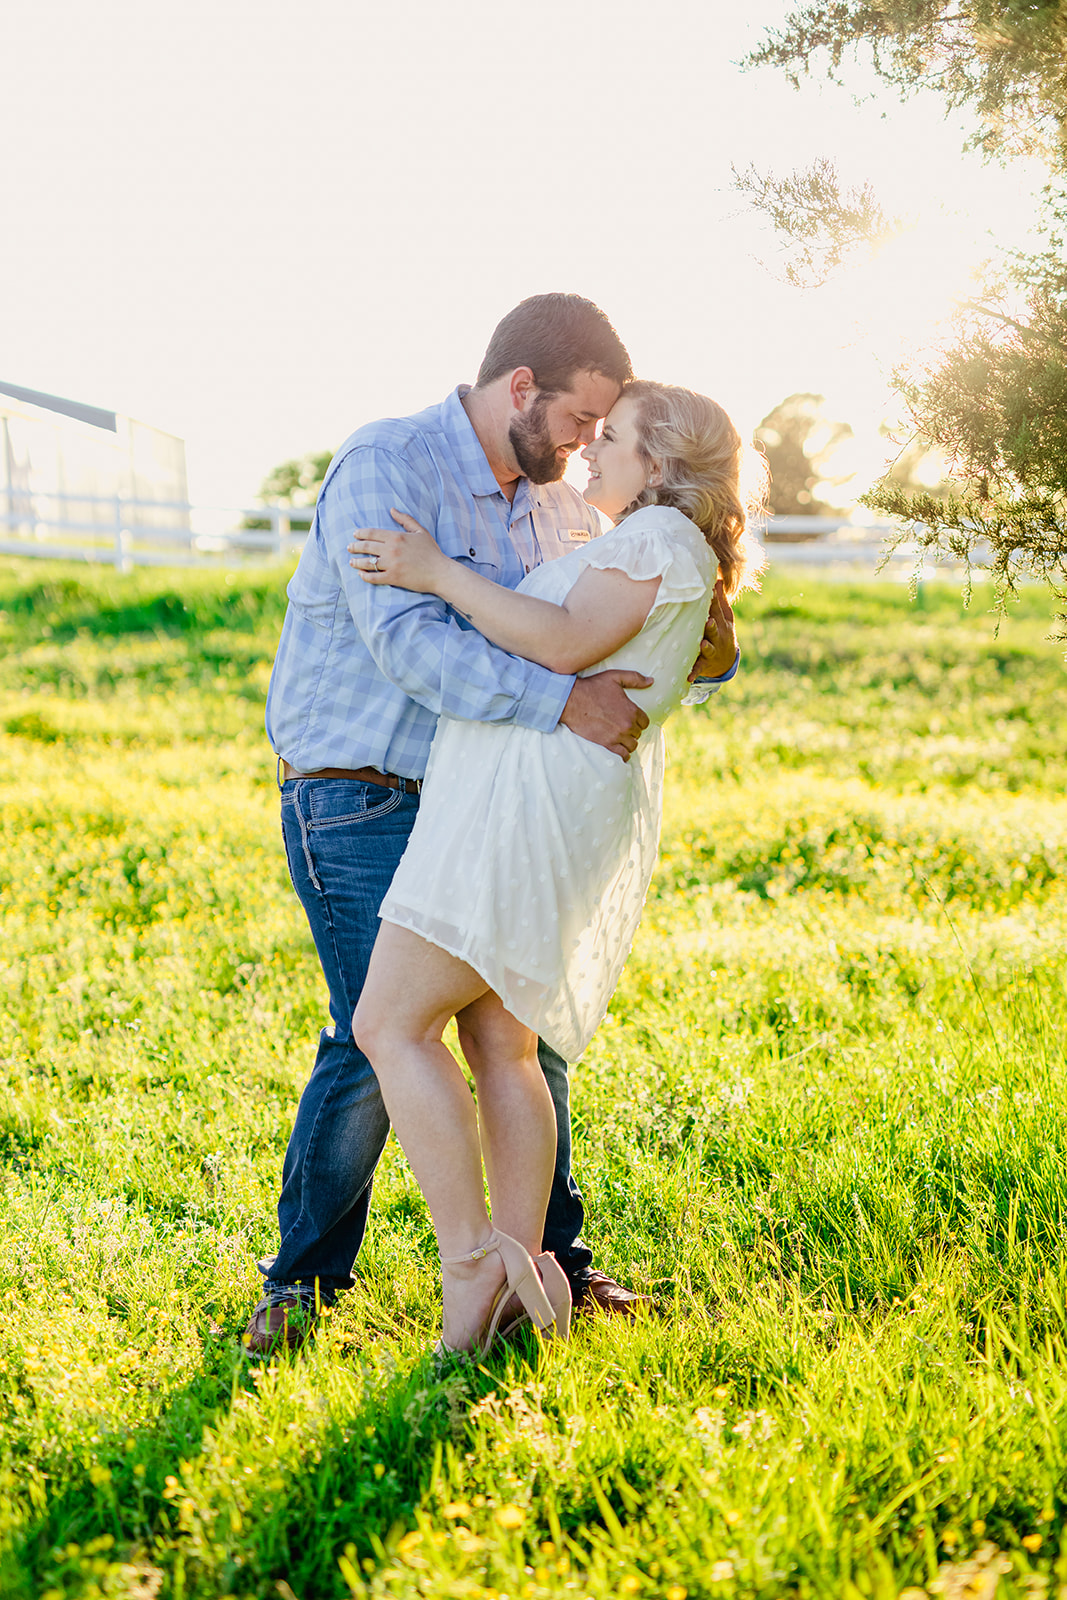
521,388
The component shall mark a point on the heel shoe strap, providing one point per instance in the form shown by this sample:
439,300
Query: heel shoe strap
472,1255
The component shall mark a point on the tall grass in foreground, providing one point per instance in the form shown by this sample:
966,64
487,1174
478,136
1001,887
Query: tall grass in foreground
824,1124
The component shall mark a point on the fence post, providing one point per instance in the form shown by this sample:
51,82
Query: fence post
122,552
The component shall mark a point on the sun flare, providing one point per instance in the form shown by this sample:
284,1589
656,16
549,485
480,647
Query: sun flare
903,296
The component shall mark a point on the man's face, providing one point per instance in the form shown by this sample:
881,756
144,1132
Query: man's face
553,426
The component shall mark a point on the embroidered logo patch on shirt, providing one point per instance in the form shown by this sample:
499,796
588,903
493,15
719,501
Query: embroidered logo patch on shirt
578,535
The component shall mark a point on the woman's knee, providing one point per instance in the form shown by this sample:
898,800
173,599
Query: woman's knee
505,1055
383,1026
370,1027
489,1033
469,1045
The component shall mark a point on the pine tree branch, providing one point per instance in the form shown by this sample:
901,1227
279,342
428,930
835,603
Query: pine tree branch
1021,328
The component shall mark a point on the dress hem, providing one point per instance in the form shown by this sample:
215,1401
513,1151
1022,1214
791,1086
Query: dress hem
565,1048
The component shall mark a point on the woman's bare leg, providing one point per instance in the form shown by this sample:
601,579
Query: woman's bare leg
412,991
516,1114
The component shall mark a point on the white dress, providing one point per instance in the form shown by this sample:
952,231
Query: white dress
532,852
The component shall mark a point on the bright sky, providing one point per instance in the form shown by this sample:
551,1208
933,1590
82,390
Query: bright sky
258,225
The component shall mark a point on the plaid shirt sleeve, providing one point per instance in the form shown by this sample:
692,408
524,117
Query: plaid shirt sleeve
415,640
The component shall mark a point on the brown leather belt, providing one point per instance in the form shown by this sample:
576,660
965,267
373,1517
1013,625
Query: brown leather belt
384,780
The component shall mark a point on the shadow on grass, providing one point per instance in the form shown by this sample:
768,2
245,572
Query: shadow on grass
173,1507
116,1492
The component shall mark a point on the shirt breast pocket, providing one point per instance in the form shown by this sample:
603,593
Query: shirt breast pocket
474,548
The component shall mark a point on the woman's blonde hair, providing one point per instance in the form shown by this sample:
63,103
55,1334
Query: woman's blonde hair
700,454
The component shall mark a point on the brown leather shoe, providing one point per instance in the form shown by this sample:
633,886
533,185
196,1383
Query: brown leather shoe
276,1324
600,1295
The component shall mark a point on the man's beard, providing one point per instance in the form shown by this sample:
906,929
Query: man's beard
537,456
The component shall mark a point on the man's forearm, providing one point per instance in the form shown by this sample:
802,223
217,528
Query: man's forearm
454,671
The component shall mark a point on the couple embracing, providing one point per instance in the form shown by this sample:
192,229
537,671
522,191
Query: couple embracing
505,889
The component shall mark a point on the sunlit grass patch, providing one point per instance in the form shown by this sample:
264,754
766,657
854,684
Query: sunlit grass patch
823,1125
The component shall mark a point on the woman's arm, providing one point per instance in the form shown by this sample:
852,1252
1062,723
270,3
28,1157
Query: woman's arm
603,610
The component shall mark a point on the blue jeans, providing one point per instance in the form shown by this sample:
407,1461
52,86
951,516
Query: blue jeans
343,840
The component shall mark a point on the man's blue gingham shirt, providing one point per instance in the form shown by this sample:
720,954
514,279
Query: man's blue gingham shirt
364,670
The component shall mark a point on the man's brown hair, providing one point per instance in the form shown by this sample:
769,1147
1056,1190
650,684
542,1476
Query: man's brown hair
556,335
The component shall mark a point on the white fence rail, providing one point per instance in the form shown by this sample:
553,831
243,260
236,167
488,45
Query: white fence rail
837,546
830,542
126,532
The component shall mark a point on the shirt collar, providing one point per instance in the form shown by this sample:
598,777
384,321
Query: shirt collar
469,453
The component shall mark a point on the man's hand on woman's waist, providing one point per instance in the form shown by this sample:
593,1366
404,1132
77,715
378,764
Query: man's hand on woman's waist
600,711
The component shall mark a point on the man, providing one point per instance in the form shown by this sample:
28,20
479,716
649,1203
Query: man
361,676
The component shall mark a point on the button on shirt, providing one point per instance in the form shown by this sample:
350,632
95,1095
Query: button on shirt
363,671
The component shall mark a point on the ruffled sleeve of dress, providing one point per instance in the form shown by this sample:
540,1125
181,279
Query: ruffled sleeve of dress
656,542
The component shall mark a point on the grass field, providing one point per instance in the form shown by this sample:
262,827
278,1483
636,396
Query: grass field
824,1124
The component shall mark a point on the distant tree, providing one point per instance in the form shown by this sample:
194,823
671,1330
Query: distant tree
995,400
294,483
799,442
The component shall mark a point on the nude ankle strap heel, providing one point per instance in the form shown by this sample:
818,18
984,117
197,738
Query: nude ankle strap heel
548,1311
557,1287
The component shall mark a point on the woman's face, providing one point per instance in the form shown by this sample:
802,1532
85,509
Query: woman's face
617,472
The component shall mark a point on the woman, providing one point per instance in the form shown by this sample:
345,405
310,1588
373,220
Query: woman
517,899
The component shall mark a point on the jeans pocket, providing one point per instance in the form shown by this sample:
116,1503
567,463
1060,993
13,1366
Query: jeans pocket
334,809
340,802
